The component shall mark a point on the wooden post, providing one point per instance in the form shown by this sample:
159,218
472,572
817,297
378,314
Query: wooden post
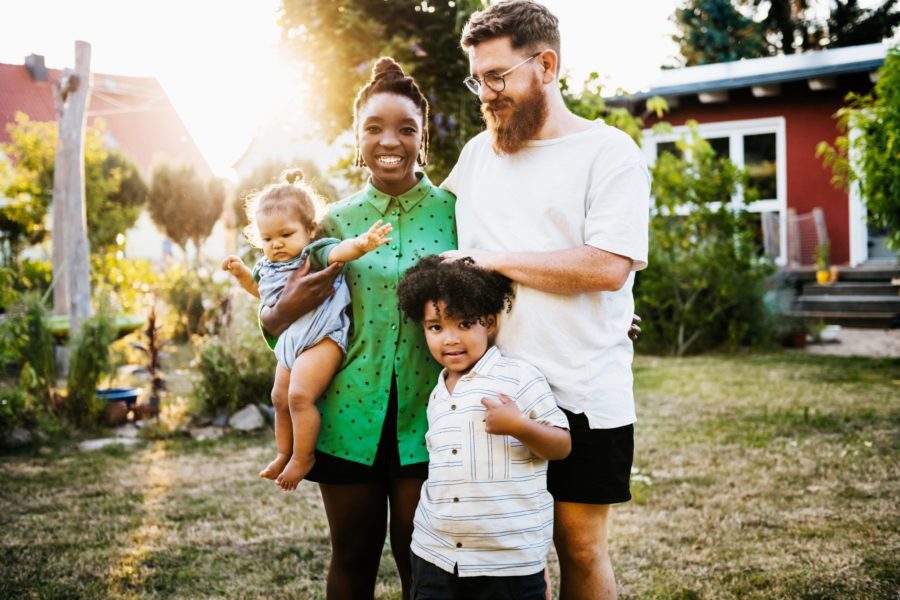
68,180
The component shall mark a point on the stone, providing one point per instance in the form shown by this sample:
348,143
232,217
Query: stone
126,431
90,445
268,412
205,433
18,437
221,419
247,419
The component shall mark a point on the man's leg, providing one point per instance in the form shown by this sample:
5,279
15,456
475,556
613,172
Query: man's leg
579,534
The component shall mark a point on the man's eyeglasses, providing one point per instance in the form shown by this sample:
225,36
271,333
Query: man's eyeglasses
494,81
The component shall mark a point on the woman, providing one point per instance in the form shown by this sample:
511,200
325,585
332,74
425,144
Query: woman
371,458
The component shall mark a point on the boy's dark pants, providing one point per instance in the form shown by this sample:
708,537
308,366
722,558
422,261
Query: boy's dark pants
433,583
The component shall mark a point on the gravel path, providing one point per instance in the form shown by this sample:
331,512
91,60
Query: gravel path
877,343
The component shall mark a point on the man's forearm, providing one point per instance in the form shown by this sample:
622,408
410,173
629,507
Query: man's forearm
273,321
573,271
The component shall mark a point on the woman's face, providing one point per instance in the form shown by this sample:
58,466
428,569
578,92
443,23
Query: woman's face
390,136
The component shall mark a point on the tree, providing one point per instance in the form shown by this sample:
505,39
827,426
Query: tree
115,191
714,31
183,206
722,30
872,158
423,37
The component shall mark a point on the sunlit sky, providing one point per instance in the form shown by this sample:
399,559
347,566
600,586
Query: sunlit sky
217,59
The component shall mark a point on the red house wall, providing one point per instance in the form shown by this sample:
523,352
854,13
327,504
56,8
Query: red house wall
808,120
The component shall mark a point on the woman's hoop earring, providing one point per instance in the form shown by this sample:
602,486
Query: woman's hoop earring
358,159
422,158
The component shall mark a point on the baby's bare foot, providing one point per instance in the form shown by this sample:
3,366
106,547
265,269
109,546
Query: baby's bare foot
274,468
294,472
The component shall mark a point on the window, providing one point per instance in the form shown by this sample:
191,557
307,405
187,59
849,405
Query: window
757,145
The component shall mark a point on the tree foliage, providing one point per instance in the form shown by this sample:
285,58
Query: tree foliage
335,45
183,206
724,30
714,31
115,192
875,163
706,283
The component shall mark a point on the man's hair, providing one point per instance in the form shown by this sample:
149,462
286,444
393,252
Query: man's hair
528,25
469,291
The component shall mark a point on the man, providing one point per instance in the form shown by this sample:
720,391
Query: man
560,205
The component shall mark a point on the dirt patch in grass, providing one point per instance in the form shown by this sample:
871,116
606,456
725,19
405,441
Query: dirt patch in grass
756,476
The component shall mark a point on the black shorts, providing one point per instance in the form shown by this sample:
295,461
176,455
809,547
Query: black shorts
433,583
386,467
599,468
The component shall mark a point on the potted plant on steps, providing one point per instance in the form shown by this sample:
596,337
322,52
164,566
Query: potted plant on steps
823,261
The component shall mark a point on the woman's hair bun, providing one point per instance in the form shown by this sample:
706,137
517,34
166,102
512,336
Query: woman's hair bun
385,66
291,175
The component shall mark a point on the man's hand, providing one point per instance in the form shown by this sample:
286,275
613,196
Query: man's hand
503,416
483,258
303,292
634,332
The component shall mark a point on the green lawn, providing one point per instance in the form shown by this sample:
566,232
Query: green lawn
757,476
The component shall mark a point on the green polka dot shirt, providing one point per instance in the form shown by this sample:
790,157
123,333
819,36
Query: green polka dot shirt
382,340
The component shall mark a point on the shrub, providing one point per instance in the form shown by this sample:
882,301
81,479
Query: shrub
236,367
706,283
27,354
88,363
192,295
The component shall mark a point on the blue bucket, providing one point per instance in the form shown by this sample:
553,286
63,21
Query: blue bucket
127,395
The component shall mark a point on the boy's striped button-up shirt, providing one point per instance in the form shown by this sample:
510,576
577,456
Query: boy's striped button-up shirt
485,508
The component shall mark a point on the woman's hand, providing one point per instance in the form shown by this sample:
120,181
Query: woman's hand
303,292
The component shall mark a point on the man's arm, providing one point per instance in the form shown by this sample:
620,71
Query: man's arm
303,292
573,271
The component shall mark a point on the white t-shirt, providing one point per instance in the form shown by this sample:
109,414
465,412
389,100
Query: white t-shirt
593,188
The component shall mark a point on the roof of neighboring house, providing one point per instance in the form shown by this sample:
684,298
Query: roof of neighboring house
140,119
765,71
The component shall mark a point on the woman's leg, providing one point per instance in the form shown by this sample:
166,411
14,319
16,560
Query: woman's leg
310,375
357,519
284,437
404,498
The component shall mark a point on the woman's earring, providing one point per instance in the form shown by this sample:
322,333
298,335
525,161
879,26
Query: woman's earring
422,158
358,160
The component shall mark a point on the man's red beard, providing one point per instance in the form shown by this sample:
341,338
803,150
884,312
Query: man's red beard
523,121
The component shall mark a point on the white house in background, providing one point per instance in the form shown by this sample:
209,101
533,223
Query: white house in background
140,122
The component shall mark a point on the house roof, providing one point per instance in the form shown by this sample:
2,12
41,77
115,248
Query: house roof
765,71
140,119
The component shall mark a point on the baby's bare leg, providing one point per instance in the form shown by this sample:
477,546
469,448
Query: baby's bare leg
310,376
284,434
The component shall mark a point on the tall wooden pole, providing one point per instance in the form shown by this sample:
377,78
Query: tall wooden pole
68,180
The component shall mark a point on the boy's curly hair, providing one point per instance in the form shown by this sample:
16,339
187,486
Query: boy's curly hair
469,291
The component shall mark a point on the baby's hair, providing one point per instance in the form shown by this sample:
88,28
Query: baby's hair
291,195
469,291
388,77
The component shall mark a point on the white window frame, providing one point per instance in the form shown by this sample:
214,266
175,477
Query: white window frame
735,132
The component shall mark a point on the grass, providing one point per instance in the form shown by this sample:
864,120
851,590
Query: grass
756,476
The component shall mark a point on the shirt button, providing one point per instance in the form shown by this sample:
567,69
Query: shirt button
456,499
452,406
394,327
393,246
459,544
453,451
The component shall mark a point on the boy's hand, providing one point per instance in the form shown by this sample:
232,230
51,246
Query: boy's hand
502,416
374,237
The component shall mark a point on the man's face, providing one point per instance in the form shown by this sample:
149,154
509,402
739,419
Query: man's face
515,115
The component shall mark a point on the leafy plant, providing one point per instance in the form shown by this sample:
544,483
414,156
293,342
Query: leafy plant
192,295
88,364
236,367
823,256
876,162
706,283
